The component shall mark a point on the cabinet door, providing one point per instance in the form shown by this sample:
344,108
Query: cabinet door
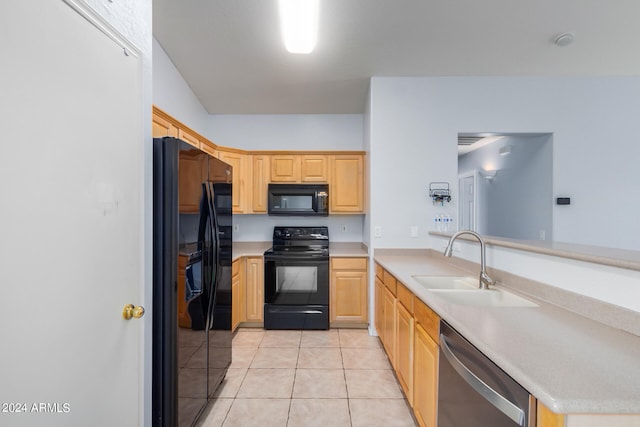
285,168
404,350
237,301
162,127
261,175
314,168
425,374
254,294
389,326
209,148
347,183
379,321
188,137
191,174
237,161
348,290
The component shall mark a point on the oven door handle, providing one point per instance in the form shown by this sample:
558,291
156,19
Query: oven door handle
297,311
304,260
496,399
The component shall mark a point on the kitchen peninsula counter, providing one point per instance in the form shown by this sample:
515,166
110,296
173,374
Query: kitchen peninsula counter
572,364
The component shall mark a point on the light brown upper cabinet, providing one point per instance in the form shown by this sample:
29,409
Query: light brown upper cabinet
314,168
163,127
254,170
189,137
261,175
209,148
347,183
285,168
191,172
239,163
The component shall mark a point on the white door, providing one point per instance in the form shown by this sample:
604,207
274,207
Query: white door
467,208
70,220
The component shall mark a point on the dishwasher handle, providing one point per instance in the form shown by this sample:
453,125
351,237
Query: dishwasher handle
503,404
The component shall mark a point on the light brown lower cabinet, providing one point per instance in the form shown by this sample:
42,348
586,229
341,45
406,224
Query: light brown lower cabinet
348,291
237,293
425,375
254,290
401,320
389,325
404,349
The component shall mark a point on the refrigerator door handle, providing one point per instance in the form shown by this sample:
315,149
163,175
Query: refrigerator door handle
215,259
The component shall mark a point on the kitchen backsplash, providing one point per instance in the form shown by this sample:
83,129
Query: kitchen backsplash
259,228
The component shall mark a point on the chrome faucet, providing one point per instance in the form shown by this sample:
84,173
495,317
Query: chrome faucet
485,280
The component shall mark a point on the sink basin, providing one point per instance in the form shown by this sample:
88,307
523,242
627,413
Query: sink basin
447,282
483,297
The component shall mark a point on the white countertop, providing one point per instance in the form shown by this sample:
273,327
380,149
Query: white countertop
572,364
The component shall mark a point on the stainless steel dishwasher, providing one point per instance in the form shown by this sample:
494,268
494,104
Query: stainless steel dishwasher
473,391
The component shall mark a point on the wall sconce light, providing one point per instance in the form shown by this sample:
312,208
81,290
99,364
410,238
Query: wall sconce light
505,151
299,24
488,175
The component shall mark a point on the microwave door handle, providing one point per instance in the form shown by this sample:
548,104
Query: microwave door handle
496,399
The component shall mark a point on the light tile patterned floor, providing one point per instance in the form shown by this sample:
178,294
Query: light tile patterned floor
336,378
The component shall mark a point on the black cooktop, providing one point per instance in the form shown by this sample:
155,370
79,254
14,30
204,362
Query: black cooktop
300,241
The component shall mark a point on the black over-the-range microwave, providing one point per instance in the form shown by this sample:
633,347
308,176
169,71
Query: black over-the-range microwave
298,199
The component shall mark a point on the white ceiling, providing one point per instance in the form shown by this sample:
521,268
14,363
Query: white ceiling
231,54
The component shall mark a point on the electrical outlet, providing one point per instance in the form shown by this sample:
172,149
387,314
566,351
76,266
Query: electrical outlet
236,227
542,235
344,228
414,231
377,231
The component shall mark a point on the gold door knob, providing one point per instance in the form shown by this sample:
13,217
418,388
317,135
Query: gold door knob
131,310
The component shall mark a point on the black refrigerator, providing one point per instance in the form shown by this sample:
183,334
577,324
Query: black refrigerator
192,240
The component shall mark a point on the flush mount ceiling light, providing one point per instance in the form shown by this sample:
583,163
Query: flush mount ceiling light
563,39
299,24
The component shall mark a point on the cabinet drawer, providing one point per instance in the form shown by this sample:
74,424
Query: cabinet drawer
405,296
427,318
379,272
349,263
389,282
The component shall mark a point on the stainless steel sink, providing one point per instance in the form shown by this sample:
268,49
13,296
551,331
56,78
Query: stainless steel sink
447,282
483,297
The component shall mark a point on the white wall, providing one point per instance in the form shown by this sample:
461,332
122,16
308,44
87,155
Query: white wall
259,228
172,94
414,126
287,131
595,150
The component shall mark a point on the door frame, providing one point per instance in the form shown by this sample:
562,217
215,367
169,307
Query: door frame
473,220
